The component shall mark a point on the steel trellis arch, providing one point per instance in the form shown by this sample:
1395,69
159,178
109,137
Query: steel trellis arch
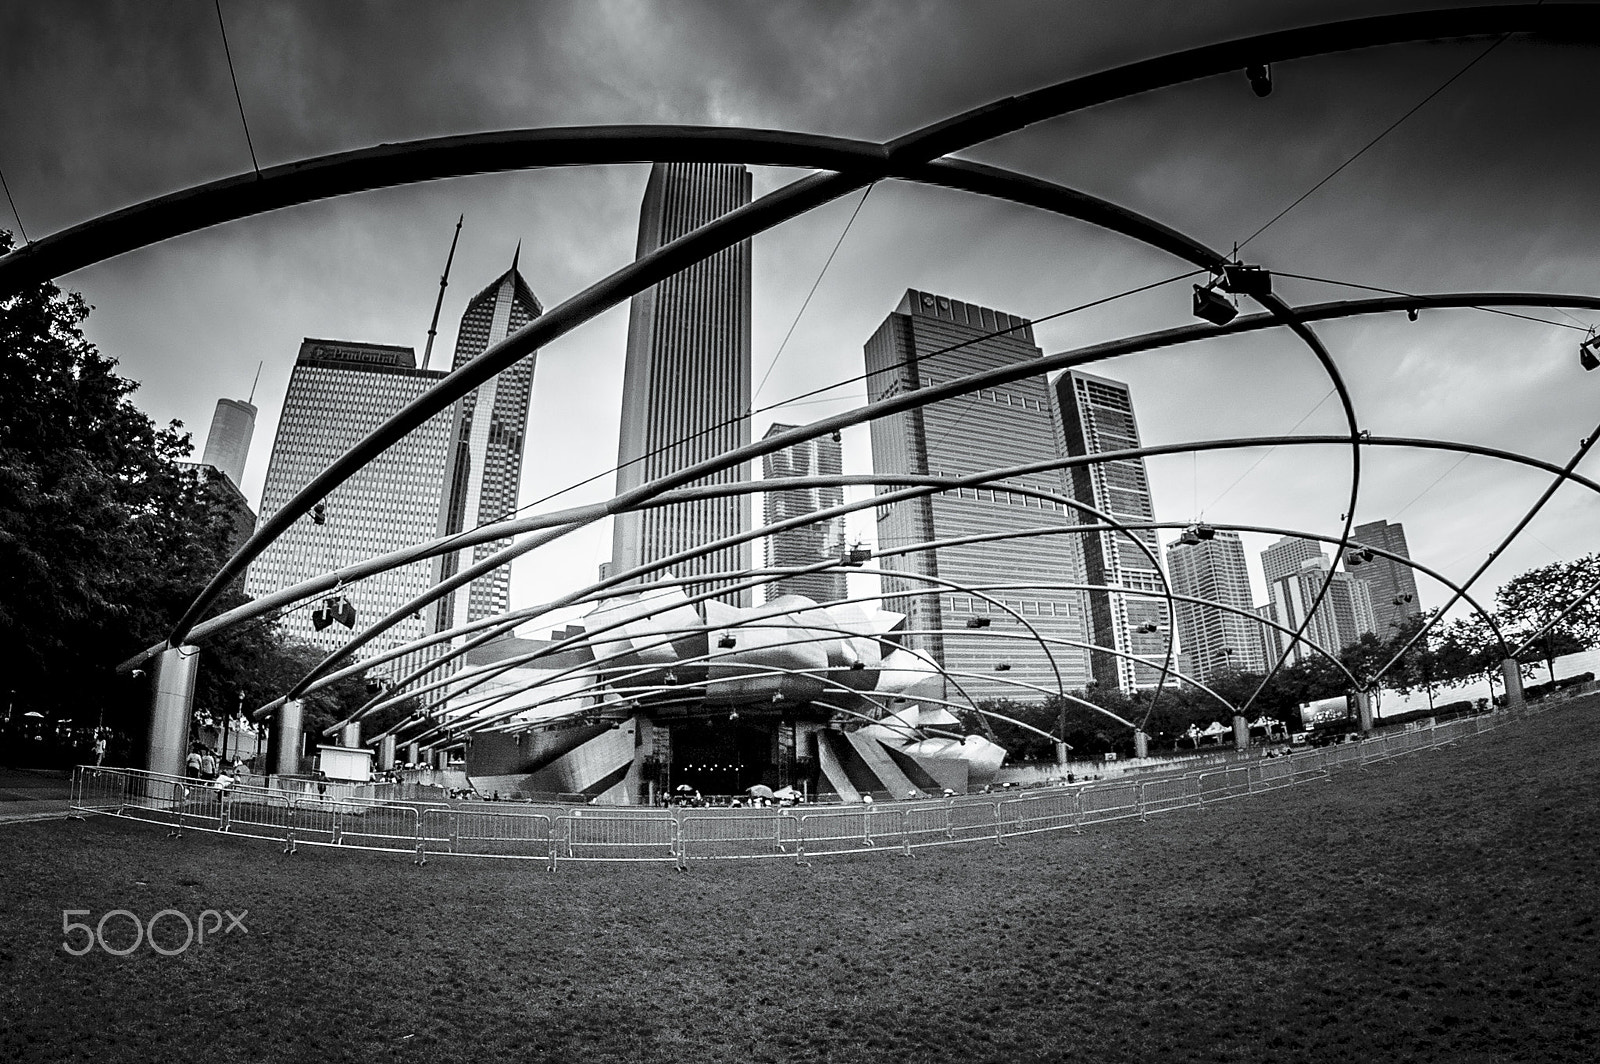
1082,356
520,616
939,139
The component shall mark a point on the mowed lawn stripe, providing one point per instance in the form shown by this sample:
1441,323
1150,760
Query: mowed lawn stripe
1440,907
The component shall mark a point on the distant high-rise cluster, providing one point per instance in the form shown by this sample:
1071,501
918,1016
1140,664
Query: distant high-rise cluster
809,543
1097,417
686,383
459,469
930,339
1215,640
1296,570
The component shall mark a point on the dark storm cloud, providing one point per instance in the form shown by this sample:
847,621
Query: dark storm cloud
1487,186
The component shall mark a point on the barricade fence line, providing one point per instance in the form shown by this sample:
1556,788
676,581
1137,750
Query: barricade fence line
295,811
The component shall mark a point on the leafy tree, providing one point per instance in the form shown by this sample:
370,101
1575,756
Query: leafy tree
105,535
1543,598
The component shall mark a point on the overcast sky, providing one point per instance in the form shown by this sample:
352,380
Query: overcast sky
1489,186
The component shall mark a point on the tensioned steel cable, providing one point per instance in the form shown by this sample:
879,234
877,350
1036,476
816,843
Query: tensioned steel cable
862,202
1579,327
1328,311
237,98
1103,300
13,203
1366,147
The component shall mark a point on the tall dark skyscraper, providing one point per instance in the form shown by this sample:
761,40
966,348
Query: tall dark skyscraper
1097,416
809,543
686,383
1393,586
486,437
931,339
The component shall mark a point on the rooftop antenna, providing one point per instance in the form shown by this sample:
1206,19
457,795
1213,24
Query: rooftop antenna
252,399
444,281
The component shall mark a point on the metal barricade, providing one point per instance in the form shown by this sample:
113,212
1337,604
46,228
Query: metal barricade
974,818
737,835
835,831
259,812
1220,784
97,790
1270,773
1045,812
583,835
484,833
928,823
1162,795
1109,801
381,826
156,799
295,810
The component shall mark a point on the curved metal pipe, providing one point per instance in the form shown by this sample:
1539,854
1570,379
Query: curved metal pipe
521,616
578,516
806,193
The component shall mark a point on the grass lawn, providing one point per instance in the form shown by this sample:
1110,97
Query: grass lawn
1438,908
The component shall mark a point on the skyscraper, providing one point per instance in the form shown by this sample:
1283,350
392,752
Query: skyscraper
686,383
228,442
338,393
1284,556
1097,416
931,339
1343,617
1215,640
486,437
809,543
1392,585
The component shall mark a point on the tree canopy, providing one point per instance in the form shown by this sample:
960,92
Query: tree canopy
107,534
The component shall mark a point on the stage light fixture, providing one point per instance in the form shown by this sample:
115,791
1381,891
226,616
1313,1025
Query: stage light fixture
1589,353
1213,306
1245,280
977,622
1260,75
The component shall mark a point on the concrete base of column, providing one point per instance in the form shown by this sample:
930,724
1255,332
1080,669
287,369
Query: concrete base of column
1364,713
413,753
350,735
171,708
287,739
1141,744
386,753
1511,672
1061,753
1241,733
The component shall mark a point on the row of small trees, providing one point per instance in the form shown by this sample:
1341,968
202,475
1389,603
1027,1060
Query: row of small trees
1537,603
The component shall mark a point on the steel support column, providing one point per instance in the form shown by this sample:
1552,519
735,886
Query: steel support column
171,709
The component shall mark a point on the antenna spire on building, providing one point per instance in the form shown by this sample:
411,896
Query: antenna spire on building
255,382
444,282
515,255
